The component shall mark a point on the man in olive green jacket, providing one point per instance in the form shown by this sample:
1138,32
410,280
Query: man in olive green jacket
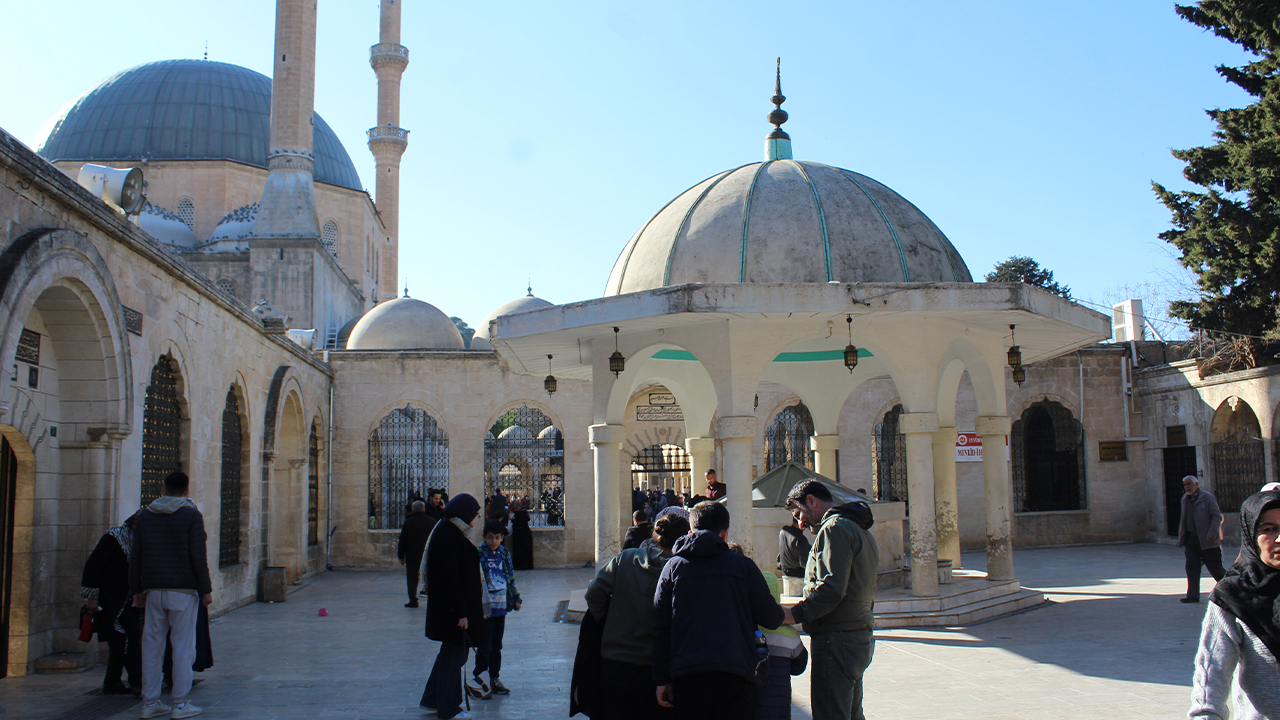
839,589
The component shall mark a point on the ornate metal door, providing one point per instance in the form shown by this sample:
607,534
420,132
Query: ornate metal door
1238,470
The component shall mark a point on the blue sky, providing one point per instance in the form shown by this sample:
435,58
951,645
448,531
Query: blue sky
543,135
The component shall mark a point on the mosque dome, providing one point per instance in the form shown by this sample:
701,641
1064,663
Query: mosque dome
404,324
166,227
515,432
184,110
784,221
519,305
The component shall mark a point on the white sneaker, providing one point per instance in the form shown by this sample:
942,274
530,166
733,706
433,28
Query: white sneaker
156,710
185,710
464,715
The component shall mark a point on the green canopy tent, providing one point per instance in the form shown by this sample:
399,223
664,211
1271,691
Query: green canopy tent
770,489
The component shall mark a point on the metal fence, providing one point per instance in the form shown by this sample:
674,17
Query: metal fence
161,423
664,466
1239,469
787,438
408,452
524,459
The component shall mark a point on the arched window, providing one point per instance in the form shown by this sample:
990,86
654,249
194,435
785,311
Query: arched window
1236,448
663,466
408,452
229,518
161,424
313,489
524,458
1047,445
889,464
186,212
787,438
329,234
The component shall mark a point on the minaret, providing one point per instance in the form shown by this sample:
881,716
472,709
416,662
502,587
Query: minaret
288,207
778,145
387,141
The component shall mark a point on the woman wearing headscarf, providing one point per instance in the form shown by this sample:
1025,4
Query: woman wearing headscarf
455,614
1237,674
105,589
622,595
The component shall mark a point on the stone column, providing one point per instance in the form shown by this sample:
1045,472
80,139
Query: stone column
920,429
736,433
946,507
995,482
700,451
824,454
606,442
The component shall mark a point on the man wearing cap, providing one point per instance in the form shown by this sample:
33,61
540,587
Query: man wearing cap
1199,535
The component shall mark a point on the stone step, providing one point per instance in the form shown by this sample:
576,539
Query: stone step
963,615
60,663
963,591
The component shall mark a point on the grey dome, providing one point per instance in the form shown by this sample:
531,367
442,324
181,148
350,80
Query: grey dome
404,324
185,110
163,225
783,221
519,305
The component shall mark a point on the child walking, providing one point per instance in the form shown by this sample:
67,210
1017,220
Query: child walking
502,597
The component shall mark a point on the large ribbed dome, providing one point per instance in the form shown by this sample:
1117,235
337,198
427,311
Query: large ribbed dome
783,221
184,110
405,324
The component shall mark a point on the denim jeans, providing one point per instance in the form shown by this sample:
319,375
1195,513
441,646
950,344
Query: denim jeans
444,686
489,654
836,666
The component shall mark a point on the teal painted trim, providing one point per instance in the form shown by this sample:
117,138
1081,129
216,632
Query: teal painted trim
671,255
746,220
822,219
779,149
808,356
902,257
818,355
674,355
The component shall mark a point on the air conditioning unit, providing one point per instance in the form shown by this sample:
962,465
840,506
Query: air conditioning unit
1127,322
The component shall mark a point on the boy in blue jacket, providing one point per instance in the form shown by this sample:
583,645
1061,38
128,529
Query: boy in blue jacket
502,597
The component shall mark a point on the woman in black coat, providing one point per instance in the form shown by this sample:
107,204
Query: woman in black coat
521,537
455,615
105,588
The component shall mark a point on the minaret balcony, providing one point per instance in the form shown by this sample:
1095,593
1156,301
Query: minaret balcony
389,55
388,138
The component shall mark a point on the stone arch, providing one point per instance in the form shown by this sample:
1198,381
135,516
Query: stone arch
1047,448
816,373
676,369
287,501
959,358
787,435
1237,453
17,560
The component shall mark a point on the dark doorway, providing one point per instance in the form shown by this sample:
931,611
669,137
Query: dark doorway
1179,462
1048,462
8,484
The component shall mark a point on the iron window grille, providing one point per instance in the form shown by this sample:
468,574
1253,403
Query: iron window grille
787,439
313,490
1238,469
161,425
1047,448
524,459
889,462
229,517
408,452
664,466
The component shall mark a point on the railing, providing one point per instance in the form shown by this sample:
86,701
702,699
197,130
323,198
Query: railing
388,49
385,132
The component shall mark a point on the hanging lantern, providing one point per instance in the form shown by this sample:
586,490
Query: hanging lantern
850,350
550,383
617,363
1019,375
1015,354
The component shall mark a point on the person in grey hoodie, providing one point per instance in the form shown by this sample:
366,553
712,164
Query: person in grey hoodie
622,595
839,589
169,576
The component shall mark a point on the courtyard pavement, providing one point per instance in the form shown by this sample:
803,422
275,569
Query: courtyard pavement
1112,641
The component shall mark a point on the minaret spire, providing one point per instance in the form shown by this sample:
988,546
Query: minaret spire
387,140
778,145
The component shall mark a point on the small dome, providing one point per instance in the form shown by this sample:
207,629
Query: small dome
549,433
166,227
783,221
515,432
344,333
185,110
479,343
519,305
404,324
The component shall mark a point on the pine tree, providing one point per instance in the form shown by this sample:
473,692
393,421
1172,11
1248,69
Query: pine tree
1229,234
1027,270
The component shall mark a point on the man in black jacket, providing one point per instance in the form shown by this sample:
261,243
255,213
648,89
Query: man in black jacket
413,540
641,529
169,576
708,604
793,552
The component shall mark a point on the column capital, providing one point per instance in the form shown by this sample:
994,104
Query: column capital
737,426
606,434
824,442
992,425
697,445
912,423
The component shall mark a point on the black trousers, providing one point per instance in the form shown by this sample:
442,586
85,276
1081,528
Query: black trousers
489,653
411,565
629,693
124,651
1211,558
714,696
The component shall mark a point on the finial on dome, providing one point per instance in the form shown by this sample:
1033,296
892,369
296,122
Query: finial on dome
406,287
530,288
778,145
